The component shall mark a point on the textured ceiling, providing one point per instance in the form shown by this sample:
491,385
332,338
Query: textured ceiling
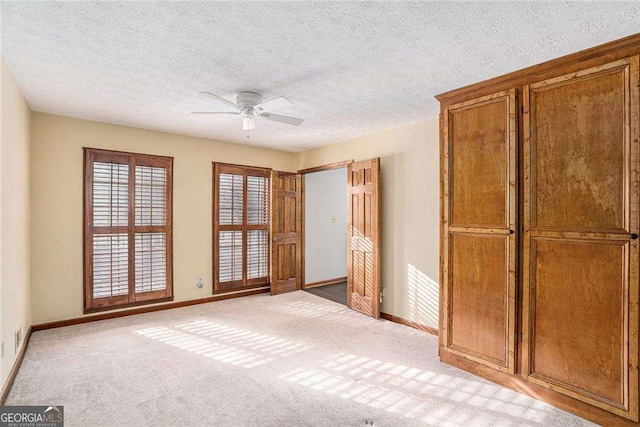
351,69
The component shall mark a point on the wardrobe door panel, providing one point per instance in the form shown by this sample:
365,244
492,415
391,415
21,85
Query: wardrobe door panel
582,156
479,164
478,305
580,276
578,289
479,219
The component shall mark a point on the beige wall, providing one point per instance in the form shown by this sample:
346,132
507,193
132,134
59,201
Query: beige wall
325,241
57,204
15,215
410,208
410,177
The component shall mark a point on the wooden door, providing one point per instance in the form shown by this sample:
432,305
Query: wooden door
580,284
363,242
479,222
286,232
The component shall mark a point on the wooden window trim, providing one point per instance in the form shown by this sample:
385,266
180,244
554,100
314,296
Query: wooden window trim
92,155
244,283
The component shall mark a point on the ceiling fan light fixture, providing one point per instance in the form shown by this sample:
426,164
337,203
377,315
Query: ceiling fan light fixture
248,122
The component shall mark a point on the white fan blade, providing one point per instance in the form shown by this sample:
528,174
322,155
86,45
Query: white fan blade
282,119
216,112
274,104
219,98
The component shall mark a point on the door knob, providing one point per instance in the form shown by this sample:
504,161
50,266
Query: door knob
511,231
634,236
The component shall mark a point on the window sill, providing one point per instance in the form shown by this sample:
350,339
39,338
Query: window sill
127,305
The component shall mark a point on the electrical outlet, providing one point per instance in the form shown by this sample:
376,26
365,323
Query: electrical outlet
199,284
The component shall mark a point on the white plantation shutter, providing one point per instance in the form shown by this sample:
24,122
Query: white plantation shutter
151,262
258,215
127,228
110,194
230,199
230,213
257,200
150,211
257,253
241,227
230,256
110,209
151,197
110,265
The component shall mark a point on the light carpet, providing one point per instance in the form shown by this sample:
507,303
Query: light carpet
294,359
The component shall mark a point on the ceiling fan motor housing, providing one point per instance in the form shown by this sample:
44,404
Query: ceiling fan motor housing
248,99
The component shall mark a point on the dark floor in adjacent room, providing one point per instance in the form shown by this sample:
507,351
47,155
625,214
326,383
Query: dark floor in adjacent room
336,292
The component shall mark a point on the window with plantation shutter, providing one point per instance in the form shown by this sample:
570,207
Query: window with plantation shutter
128,234
240,227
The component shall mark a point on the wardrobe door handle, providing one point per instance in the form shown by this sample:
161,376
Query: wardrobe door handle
511,231
634,236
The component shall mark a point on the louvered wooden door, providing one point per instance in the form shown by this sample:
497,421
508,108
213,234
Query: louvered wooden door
364,232
480,224
240,227
581,248
286,226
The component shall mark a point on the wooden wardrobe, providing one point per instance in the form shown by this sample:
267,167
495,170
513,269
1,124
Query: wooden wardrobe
539,244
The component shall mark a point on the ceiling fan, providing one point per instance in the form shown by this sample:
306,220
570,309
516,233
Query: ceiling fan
250,104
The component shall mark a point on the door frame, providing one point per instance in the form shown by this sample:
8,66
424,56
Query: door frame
303,172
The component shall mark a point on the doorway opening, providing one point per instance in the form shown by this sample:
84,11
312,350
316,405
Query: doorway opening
293,252
325,233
